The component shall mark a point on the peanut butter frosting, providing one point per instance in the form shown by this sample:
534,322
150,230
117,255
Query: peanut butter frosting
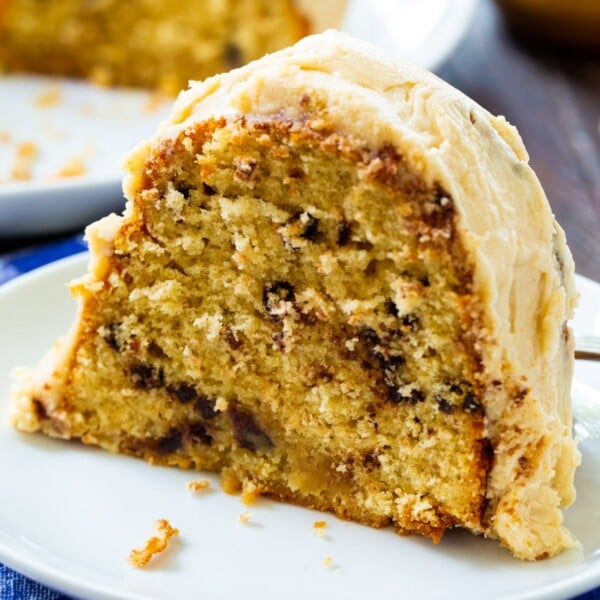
523,270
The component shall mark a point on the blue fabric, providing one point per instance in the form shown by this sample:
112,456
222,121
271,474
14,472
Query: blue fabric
14,586
17,263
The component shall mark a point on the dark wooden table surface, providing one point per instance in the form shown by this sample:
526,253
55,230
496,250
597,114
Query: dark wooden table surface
553,97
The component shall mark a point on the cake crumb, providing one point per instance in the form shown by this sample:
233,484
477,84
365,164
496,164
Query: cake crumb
319,528
155,545
245,517
328,562
27,152
199,485
250,493
72,168
49,97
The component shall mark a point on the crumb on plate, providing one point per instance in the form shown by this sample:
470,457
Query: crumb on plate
154,545
72,168
245,517
48,97
198,485
27,152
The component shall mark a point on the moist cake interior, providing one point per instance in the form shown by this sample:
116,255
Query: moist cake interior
293,308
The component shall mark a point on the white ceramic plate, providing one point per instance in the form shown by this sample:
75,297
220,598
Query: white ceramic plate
75,124
70,514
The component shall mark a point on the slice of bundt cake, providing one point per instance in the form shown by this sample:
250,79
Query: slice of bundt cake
338,282
152,44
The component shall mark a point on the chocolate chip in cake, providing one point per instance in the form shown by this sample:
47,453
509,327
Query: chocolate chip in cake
205,406
411,321
399,396
184,188
520,395
184,392
311,227
197,433
155,351
444,405
247,432
170,443
371,461
391,308
344,233
471,404
40,410
145,376
208,190
110,336
296,173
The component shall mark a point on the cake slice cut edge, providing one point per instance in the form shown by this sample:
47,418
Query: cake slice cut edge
338,282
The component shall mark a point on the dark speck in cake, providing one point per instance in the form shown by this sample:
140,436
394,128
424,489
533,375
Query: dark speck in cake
183,188
206,407
39,408
170,443
296,173
411,321
208,190
184,392
145,376
197,433
371,461
247,432
444,405
344,233
391,308
110,337
471,404
311,229
520,395
398,396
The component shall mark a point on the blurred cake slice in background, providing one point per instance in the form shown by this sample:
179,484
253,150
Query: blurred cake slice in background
152,44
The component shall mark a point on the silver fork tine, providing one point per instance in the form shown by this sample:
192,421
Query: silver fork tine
587,347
